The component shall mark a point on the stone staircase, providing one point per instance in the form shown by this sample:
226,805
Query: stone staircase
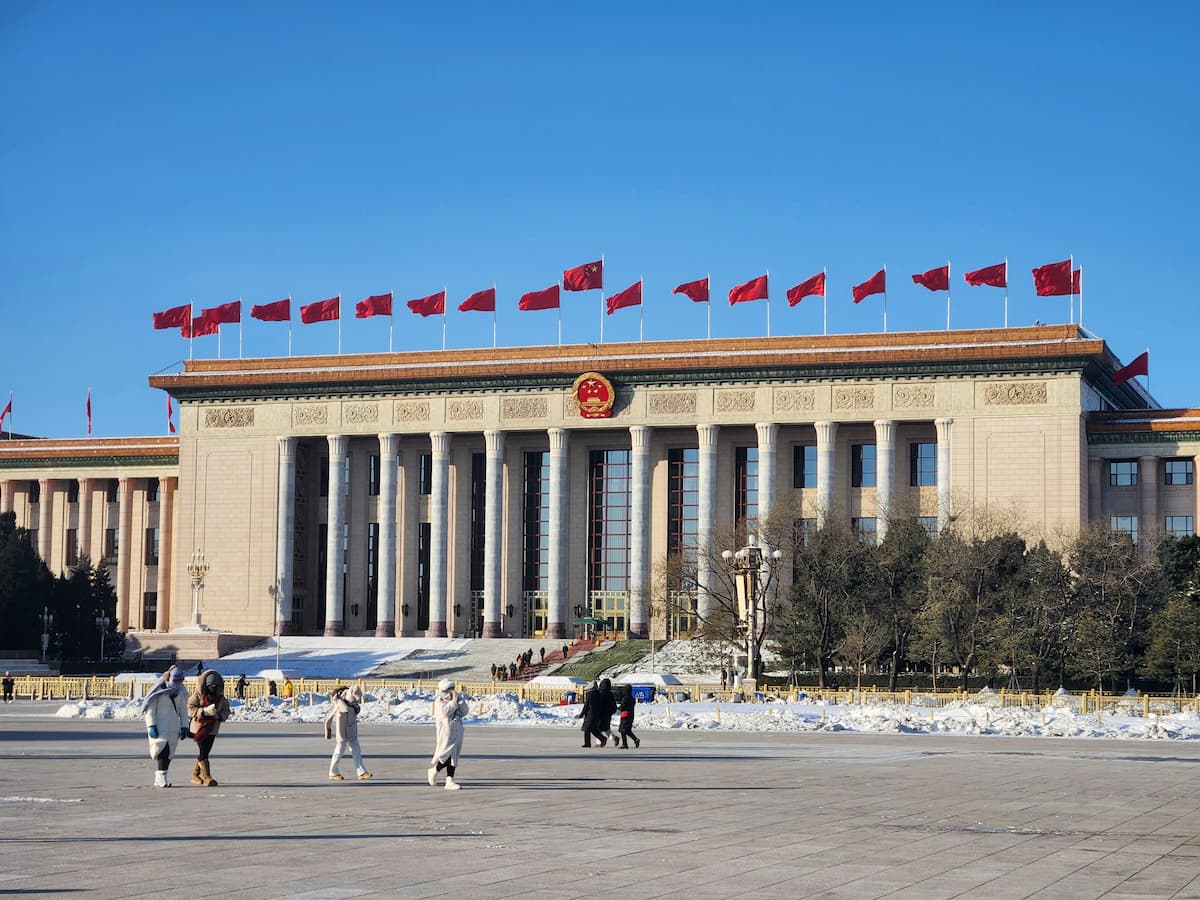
25,667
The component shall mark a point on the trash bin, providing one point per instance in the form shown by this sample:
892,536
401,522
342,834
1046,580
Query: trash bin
681,696
643,693
570,695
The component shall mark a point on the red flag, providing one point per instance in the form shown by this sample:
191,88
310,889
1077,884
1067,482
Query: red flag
697,291
175,317
811,287
480,301
89,410
876,284
1053,279
754,289
588,277
200,326
547,299
322,311
279,311
226,313
992,276
170,424
935,279
1077,281
4,412
1139,366
375,305
433,305
631,296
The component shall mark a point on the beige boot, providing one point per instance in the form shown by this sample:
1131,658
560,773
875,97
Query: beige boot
452,785
209,781
196,779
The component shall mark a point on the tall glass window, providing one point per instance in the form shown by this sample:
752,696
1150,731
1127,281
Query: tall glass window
424,540
683,501
152,546
1123,473
862,465
373,475
425,475
1178,471
150,610
478,536
745,462
1179,526
535,565
922,465
1127,524
73,491
152,490
373,568
608,535
804,466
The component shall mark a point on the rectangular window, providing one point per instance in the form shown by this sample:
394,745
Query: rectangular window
1179,526
424,538
1126,524
152,490
1123,472
150,610
373,475
323,478
862,465
346,477
478,520
804,466
922,465
322,565
425,475
746,484
72,491
535,562
35,492
72,547
864,527
111,546
152,546
1178,471
929,523
373,564
683,501
112,490
608,526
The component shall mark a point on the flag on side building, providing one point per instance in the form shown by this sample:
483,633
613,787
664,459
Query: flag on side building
1053,279
225,314
631,296
992,276
480,301
175,317
696,291
1139,366
812,287
375,305
322,311
754,289
588,277
279,311
876,284
547,299
935,279
433,305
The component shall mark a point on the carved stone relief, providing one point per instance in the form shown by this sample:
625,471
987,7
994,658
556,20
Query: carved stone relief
735,401
460,410
1015,393
411,411
229,417
357,413
795,401
310,415
853,398
523,408
914,395
662,403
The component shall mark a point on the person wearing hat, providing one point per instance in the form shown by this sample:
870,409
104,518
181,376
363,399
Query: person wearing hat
341,725
449,710
165,712
208,708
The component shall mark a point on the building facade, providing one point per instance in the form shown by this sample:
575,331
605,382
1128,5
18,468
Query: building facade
512,491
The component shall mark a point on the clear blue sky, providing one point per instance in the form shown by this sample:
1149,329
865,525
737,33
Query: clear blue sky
156,153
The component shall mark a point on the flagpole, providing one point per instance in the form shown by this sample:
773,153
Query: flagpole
391,318
1071,288
947,295
642,309
445,294
89,409
191,337
289,325
885,298
560,290
1080,293
339,299
1006,292
768,302
708,282
825,300
240,299
493,315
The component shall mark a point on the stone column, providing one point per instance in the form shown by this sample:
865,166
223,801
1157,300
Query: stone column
285,535
1149,526
8,490
768,435
639,533
706,513
439,510
335,513
385,553
45,518
560,537
885,473
1196,494
493,531
166,541
124,549
86,487
943,472
826,453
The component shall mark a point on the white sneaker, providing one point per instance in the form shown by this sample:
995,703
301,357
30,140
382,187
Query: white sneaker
452,785
432,774
160,778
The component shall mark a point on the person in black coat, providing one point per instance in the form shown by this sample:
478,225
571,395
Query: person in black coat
625,703
604,704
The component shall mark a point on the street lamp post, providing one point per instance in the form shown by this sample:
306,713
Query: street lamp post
197,569
752,565
47,618
102,623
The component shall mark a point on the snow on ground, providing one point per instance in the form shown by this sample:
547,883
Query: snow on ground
337,657
412,707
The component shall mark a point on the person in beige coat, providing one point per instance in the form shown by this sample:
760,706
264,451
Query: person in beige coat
208,708
166,715
449,710
341,726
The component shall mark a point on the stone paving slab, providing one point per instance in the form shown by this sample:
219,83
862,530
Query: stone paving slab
692,815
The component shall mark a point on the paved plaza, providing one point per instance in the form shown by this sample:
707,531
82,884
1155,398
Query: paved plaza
691,815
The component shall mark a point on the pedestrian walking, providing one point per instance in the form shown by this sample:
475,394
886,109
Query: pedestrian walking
289,690
449,710
625,704
724,678
8,687
208,708
239,688
165,711
542,651
597,712
341,726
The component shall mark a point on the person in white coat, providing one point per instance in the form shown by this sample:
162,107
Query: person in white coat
449,710
166,714
341,725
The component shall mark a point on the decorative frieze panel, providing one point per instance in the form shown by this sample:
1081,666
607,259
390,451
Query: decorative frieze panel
464,410
854,398
795,401
229,417
523,408
663,403
310,415
411,411
1015,393
735,401
360,413
914,396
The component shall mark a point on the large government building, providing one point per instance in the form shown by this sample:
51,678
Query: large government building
512,491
